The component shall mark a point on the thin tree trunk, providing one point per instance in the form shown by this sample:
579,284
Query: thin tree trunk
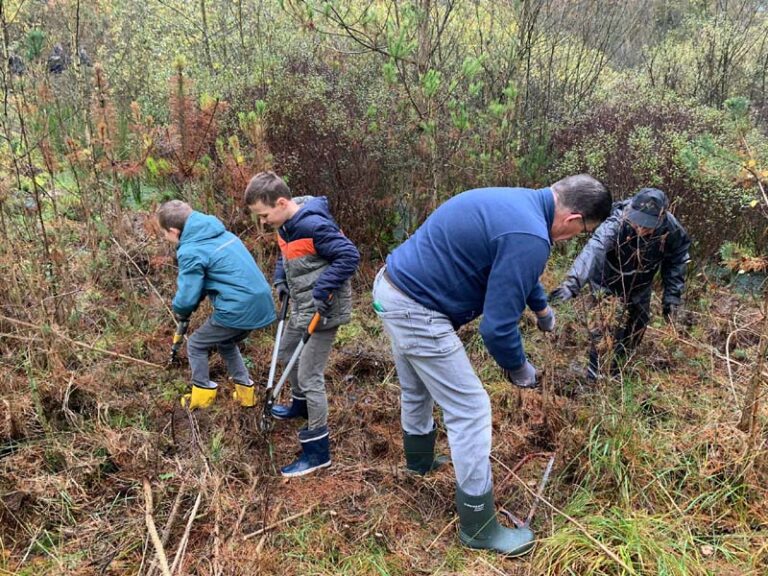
206,40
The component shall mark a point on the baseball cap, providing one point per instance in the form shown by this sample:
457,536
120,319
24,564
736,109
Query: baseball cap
647,207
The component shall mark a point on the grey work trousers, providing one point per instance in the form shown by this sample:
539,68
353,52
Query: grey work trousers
307,376
433,366
213,336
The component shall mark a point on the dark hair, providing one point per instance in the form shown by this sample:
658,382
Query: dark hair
266,187
584,195
173,214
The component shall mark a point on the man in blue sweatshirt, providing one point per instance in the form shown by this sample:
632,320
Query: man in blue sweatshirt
480,253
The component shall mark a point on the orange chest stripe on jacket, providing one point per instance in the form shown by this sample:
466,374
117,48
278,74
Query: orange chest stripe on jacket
297,248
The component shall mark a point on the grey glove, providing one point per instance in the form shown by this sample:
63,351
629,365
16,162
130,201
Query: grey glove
523,377
546,323
281,287
560,294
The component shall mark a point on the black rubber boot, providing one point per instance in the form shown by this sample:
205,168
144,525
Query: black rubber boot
479,528
420,452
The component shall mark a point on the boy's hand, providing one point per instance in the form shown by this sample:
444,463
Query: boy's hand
181,317
669,312
323,307
282,290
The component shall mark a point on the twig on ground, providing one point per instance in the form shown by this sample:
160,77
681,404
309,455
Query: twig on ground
245,506
159,550
280,522
76,342
612,555
491,566
439,534
169,525
185,538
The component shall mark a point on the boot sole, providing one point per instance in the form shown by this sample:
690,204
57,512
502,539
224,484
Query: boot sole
304,472
287,417
521,551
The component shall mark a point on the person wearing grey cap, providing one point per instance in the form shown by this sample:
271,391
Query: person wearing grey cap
621,258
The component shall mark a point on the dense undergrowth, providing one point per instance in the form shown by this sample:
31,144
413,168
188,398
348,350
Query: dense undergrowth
652,474
388,108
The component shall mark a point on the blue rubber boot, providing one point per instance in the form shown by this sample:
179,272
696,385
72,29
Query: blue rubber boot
315,453
479,528
297,409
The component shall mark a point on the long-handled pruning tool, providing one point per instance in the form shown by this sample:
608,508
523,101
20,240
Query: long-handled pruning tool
273,392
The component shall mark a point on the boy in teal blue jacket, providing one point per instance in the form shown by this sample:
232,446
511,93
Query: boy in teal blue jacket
214,263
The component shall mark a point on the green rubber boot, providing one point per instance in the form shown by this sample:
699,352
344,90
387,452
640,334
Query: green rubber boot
420,452
478,527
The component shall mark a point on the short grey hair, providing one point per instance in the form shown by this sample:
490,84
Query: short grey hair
585,195
173,214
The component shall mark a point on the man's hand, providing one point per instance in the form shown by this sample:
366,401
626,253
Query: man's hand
323,307
560,294
546,322
282,290
523,377
669,312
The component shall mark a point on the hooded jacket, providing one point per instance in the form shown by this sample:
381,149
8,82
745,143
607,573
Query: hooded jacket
316,261
214,263
618,260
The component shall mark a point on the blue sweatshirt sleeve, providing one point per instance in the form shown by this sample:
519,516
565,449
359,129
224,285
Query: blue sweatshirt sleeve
190,283
341,254
515,272
537,299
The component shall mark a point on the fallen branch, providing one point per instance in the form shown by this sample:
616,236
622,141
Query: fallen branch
612,555
280,523
159,551
184,539
74,342
169,524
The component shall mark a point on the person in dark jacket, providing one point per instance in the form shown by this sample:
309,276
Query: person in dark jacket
315,267
480,253
640,238
214,263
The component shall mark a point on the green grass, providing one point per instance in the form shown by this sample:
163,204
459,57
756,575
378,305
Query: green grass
658,544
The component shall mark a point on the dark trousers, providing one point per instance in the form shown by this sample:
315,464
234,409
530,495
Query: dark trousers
631,320
211,336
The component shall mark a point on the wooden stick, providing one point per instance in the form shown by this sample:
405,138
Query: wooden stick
451,523
169,524
612,555
159,551
280,523
77,343
183,544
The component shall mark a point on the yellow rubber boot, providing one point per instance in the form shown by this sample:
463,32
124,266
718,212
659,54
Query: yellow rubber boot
199,398
245,395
